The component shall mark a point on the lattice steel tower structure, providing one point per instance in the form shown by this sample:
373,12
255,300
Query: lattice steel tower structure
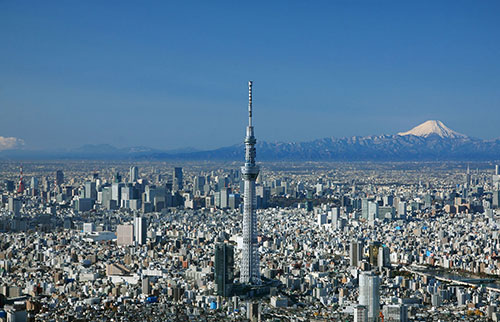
250,270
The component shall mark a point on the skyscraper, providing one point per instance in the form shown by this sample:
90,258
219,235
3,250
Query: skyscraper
250,270
177,179
355,252
140,230
384,257
34,183
360,313
59,177
15,206
118,177
364,208
90,190
9,185
224,269
373,250
372,211
468,177
369,296
496,178
134,173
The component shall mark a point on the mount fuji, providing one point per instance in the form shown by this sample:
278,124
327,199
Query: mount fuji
433,127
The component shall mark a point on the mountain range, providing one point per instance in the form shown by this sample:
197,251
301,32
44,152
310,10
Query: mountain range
429,141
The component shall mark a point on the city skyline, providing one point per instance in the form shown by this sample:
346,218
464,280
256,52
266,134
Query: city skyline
369,242
144,75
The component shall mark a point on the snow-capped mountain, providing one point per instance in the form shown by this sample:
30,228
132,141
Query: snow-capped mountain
433,127
431,140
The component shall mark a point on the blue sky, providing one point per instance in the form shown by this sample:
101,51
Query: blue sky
173,74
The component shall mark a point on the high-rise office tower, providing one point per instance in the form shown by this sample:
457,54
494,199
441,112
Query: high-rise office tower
134,173
496,199
250,270
253,311
369,295
59,177
224,198
90,190
199,183
496,178
177,179
46,184
145,286
118,177
15,206
402,205
34,183
364,208
116,190
372,211
140,230
224,269
355,252
468,177
373,249
384,257
9,185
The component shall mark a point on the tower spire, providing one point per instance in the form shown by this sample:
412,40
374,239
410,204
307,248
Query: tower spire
250,103
250,267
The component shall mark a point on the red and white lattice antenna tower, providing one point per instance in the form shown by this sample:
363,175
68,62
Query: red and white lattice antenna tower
20,189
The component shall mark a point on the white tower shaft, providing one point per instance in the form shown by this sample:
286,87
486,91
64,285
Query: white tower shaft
250,270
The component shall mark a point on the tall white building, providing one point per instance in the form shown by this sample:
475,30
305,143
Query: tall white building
360,313
496,178
15,206
402,208
369,294
140,230
372,211
134,174
250,270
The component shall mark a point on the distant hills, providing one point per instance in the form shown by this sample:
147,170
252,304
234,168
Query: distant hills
429,141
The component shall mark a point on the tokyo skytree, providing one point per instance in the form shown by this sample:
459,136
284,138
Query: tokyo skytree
250,270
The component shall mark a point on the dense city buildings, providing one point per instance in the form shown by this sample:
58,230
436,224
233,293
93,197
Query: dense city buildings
429,253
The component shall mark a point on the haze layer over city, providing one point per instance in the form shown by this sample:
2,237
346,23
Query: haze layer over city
285,161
